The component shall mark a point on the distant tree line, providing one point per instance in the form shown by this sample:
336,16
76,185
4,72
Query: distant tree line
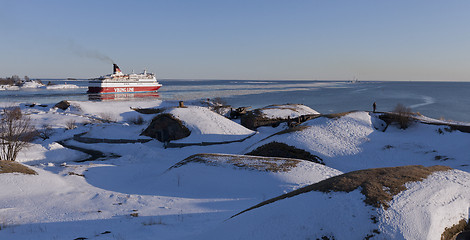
13,80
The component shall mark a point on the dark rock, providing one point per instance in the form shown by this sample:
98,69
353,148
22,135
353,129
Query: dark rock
165,127
148,110
62,105
254,119
277,149
237,112
463,235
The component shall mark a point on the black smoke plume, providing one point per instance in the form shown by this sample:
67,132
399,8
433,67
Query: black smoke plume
89,53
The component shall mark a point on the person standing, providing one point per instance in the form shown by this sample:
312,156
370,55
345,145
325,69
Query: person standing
374,106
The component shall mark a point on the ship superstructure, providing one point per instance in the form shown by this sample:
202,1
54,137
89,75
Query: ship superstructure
118,82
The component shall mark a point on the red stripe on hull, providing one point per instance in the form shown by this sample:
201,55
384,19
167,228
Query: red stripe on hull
122,89
122,96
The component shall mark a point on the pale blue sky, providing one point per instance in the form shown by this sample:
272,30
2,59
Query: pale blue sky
257,39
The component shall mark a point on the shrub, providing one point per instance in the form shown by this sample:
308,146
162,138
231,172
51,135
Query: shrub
139,120
219,106
71,124
107,117
45,132
403,116
152,221
16,132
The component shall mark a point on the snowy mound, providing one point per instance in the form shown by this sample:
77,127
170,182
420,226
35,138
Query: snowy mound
114,111
21,194
69,207
9,87
330,137
143,188
357,141
287,110
52,153
32,84
225,175
208,126
275,114
366,204
62,86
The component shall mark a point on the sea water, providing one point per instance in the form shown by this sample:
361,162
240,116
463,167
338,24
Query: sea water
448,100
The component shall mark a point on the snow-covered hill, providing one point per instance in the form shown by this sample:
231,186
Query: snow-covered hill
337,209
285,111
356,141
143,190
247,176
208,126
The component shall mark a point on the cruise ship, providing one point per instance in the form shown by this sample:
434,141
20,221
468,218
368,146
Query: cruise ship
118,82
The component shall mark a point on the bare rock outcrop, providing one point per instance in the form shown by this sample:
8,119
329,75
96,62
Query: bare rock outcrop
62,105
165,127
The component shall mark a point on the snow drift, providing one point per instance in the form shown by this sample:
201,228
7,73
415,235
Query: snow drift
208,126
337,208
225,175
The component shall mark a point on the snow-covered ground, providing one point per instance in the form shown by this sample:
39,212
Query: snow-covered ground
32,84
208,126
422,211
147,191
62,86
353,142
285,111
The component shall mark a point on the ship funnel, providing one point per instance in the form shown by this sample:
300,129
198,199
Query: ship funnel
116,68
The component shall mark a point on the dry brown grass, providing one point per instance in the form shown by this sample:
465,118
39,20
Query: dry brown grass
288,106
288,130
76,174
336,115
291,130
265,164
378,185
277,149
14,167
134,214
451,232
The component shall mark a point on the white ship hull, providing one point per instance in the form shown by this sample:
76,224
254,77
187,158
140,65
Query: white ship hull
121,83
